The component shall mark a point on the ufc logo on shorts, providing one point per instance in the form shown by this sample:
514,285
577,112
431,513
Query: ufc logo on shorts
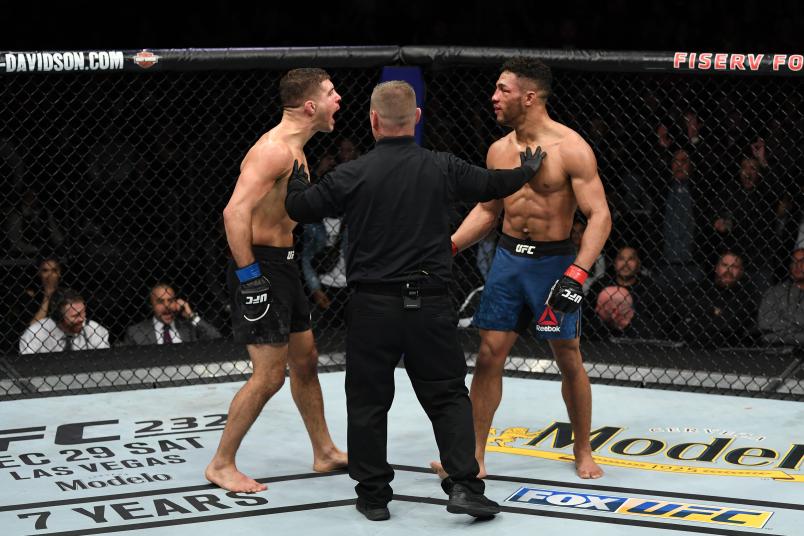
252,300
524,248
291,255
571,296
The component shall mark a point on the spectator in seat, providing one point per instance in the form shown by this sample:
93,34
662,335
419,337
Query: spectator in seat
682,209
719,311
781,312
172,321
746,218
34,303
347,151
640,299
66,327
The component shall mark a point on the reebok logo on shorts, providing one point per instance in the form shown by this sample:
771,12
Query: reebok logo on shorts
548,322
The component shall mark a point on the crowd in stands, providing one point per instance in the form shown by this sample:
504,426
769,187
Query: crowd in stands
714,258
55,318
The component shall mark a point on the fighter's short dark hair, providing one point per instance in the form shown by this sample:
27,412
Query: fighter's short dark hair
300,84
533,69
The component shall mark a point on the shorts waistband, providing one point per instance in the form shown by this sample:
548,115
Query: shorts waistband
523,247
273,254
398,289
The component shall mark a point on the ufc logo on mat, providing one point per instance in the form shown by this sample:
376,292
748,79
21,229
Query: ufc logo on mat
571,296
524,248
251,300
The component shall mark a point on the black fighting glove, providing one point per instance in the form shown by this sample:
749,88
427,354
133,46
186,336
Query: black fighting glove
532,161
299,180
255,292
566,293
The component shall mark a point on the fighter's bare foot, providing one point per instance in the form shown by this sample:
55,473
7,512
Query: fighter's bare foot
586,467
439,470
229,478
442,474
332,461
482,473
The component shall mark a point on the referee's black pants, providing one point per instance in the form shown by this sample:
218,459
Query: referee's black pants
379,333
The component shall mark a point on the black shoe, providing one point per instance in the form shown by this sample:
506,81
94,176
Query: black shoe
463,501
373,513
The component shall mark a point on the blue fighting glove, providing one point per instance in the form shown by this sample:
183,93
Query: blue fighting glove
255,292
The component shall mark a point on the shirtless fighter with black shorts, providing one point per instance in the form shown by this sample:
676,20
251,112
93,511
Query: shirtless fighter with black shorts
270,311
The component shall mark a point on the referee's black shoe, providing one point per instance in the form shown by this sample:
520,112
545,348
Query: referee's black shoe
373,512
463,501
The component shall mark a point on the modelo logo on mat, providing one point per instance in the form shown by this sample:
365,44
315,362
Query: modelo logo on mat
635,506
713,455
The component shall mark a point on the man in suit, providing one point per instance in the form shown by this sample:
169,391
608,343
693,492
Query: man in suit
173,321
66,328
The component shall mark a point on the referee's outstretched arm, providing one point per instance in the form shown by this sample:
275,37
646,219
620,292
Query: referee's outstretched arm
308,204
477,184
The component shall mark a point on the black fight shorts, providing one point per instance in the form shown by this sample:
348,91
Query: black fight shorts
289,311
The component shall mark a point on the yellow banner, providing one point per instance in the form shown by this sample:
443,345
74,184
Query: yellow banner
775,474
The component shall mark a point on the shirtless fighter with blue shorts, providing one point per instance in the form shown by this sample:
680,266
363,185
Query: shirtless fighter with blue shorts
537,274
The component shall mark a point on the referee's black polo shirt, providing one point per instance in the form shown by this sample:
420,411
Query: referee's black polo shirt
396,201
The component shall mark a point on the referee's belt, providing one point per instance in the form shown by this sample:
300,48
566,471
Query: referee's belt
400,289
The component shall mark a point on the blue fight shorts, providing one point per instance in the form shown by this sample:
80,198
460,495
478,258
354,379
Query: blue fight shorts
517,286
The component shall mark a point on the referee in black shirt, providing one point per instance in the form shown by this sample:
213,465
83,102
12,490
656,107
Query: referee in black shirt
395,201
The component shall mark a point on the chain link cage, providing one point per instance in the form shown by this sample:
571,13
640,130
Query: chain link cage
113,186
